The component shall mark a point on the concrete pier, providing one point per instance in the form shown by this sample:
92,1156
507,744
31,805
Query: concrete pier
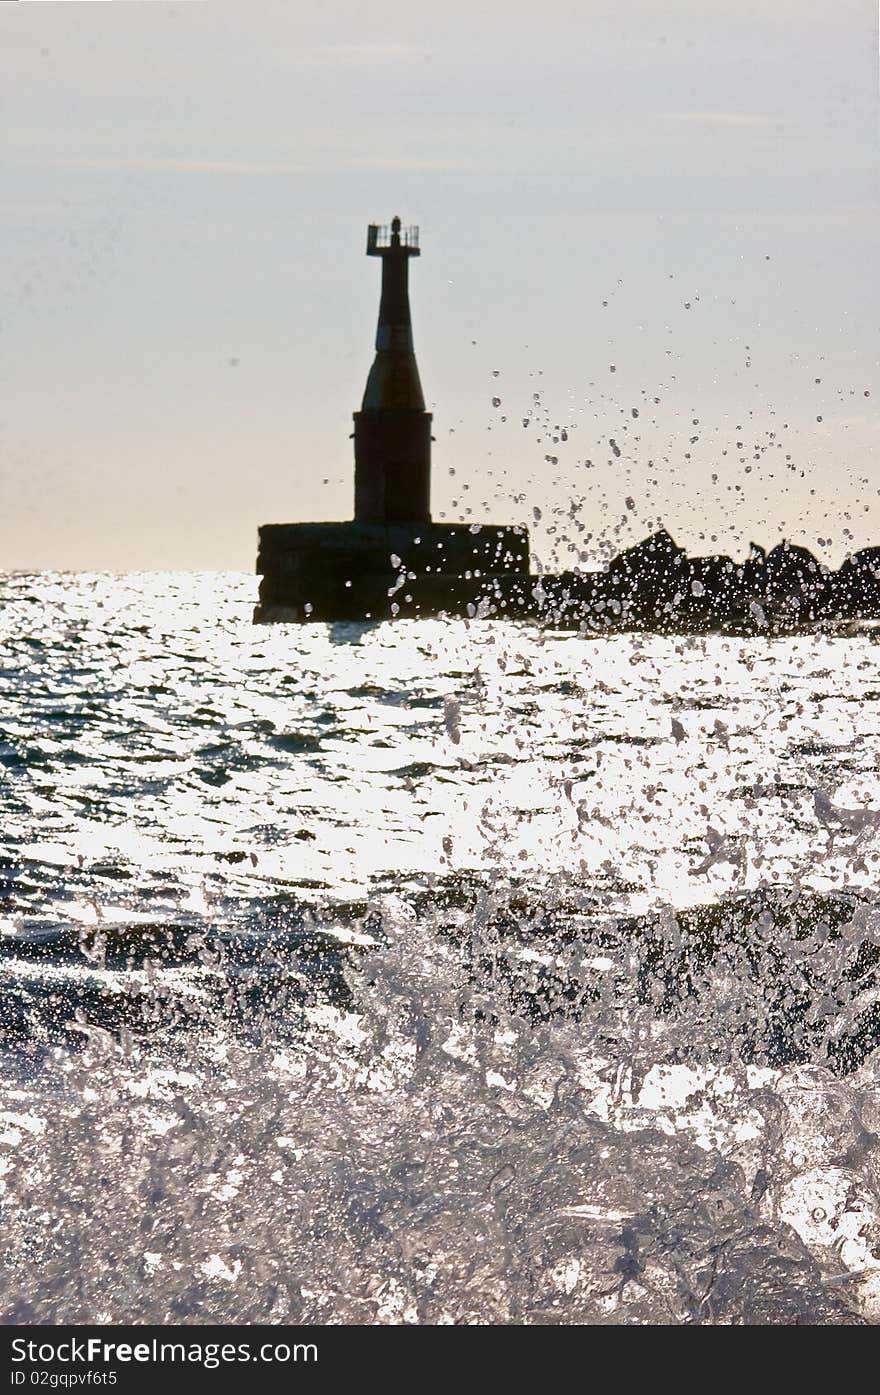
374,571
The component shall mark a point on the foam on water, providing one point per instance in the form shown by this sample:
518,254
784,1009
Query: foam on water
432,972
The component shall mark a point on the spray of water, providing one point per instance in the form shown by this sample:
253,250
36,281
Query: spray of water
587,1033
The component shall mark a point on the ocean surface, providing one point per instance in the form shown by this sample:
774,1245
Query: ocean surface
431,972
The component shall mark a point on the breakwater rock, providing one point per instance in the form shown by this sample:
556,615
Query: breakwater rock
353,571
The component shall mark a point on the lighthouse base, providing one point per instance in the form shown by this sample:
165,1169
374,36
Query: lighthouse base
358,571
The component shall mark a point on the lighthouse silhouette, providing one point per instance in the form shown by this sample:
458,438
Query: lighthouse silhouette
392,430
391,560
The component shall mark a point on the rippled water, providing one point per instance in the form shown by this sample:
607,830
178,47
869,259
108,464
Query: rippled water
432,972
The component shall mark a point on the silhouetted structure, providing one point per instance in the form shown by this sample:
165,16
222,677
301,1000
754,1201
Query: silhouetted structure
392,560
392,430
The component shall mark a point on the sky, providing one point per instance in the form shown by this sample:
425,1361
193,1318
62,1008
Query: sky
648,289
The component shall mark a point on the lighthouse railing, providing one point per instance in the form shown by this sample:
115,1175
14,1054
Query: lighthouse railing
379,237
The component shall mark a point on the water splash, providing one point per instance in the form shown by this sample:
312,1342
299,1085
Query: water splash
432,974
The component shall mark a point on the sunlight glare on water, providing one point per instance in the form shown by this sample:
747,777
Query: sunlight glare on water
431,971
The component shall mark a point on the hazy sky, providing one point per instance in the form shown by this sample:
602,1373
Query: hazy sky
687,191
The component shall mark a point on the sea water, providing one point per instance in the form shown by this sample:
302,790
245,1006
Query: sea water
431,971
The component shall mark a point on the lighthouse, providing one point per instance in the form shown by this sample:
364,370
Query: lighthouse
392,430
391,560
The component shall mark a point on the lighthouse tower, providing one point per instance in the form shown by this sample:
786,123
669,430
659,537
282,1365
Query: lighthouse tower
392,430
391,560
